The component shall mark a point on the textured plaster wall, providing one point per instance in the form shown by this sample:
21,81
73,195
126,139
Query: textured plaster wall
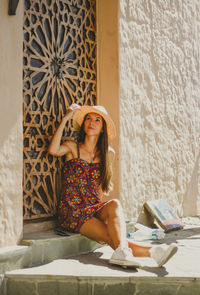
159,60
11,140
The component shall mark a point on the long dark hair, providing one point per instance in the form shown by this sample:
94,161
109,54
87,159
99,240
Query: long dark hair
102,149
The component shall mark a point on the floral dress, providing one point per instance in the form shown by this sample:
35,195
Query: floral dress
80,198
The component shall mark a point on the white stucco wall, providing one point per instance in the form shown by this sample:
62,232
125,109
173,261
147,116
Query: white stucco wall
11,136
159,73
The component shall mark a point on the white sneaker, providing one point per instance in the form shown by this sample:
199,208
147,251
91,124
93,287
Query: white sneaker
161,254
124,257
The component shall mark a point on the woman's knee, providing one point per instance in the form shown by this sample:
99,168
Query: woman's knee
96,230
114,206
111,209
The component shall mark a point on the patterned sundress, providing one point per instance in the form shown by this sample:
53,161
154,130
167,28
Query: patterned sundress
80,198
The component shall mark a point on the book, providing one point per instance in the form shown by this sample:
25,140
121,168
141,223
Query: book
162,212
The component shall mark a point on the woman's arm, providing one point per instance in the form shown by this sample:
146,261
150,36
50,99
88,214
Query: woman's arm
55,147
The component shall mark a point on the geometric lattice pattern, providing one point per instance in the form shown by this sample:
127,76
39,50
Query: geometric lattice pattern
59,68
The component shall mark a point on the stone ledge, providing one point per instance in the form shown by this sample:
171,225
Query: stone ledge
40,248
14,257
2,285
102,286
48,246
91,274
43,247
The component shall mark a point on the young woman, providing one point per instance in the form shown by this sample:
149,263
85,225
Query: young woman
87,175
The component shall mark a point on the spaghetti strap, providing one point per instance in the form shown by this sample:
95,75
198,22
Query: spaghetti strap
78,150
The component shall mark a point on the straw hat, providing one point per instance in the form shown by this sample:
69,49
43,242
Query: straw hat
80,114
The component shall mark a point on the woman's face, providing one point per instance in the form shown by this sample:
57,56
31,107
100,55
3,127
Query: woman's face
93,124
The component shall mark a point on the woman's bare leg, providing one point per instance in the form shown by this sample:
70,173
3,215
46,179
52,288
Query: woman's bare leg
109,231
139,250
112,214
96,230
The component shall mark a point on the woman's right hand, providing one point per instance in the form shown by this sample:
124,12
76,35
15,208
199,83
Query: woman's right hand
70,111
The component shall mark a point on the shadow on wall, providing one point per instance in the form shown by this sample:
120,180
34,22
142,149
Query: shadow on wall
191,196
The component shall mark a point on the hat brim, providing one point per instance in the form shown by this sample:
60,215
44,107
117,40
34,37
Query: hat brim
80,114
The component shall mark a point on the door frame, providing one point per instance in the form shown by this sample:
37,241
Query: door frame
107,89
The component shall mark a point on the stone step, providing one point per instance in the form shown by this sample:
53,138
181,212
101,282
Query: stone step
47,246
40,248
14,257
91,274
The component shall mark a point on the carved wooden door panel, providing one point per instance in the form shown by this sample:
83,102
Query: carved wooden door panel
59,68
